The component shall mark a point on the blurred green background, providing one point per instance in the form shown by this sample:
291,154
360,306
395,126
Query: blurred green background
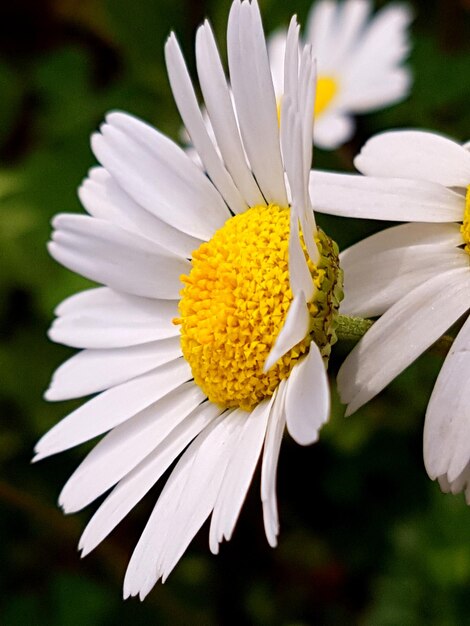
366,538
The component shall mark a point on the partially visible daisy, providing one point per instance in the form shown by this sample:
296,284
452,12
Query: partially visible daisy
216,320
360,63
416,276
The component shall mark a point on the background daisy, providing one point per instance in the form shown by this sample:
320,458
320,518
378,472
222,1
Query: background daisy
416,276
244,352
360,60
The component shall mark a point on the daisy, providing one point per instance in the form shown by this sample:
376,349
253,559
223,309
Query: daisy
216,320
360,63
416,276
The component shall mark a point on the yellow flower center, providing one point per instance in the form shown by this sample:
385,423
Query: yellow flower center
235,301
327,88
465,228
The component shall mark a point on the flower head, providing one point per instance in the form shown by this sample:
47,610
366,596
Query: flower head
360,63
216,320
416,276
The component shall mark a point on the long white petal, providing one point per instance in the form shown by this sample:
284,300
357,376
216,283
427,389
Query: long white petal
294,329
396,272
307,402
133,487
406,330
447,425
112,407
124,261
91,371
222,118
395,199
272,447
158,175
238,475
415,154
124,321
126,446
253,92
184,504
103,198
191,115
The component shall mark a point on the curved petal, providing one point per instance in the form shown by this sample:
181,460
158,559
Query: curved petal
395,199
447,425
415,154
159,176
396,272
133,487
272,447
103,198
191,115
124,261
91,371
332,129
184,504
238,475
406,330
126,446
112,407
307,402
253,92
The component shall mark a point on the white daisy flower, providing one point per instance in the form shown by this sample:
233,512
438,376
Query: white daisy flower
212,366
360,63
416,276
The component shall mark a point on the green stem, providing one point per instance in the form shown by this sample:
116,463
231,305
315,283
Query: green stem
353,328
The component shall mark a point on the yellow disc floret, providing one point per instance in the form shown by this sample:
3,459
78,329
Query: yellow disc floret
465,228
235,301
327,88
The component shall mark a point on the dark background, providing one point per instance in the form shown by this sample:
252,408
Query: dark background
366,538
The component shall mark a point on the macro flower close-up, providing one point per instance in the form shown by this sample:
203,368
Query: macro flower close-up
361,63
420,285
216,321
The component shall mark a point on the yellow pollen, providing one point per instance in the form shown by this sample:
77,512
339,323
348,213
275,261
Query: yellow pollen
327,88
235,300
465,228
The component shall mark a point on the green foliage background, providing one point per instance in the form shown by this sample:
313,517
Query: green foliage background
366,538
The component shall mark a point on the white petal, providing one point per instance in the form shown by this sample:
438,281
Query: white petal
91,371
272,447
332,129
396,199
390,87
255,101
447,425
294,329
124,261
158,175
112,407
276,51
349,27
321,26
219,105
415,154
126,446
133,487
307,402
395,273
238,475
103,198
184,504
406,330
102,318
191,115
